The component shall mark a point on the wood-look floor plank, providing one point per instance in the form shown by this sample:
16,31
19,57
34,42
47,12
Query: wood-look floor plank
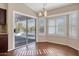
43,49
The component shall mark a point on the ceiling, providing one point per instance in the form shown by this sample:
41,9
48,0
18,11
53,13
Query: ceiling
39,6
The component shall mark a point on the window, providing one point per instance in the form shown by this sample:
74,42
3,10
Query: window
63,25
56,25
42,25
73,25
31,26
51,26
60,25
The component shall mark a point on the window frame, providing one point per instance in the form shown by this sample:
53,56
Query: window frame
51,26
71,36
55,34
67,23
64,26
43,25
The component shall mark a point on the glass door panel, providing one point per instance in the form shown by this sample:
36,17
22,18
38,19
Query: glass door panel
20,30
31,31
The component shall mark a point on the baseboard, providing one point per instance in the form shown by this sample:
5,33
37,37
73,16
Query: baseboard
41,41
64,44
10,49
74,48
56,43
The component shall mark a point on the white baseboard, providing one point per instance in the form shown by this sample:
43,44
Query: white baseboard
74,48
42,41
65,44
56,42
10,49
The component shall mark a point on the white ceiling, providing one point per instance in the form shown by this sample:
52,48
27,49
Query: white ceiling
39,6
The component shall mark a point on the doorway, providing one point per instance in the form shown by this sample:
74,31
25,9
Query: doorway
25,30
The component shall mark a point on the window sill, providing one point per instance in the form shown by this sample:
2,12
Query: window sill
63,36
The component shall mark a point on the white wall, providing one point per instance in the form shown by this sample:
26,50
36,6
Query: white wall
3,28
74,43
10,22
3,5
65,40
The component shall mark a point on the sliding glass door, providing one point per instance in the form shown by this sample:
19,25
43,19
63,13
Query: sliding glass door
24,30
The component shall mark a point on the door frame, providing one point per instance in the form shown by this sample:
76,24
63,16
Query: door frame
20,13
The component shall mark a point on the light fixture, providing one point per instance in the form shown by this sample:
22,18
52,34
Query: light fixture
44,12
40,14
